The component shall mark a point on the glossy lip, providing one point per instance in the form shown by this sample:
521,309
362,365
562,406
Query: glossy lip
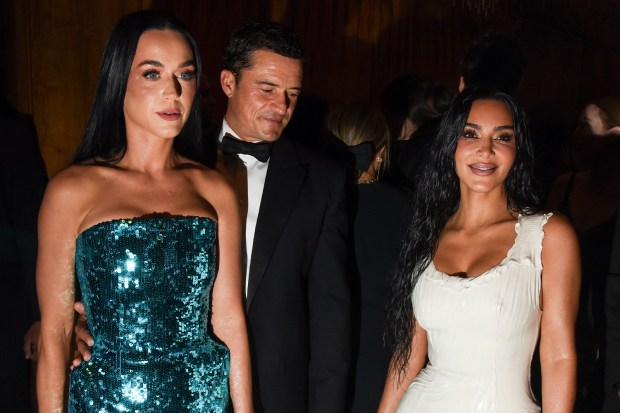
170,115
483,169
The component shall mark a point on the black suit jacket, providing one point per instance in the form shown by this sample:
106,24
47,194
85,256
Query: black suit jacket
22,182
612,334
298,299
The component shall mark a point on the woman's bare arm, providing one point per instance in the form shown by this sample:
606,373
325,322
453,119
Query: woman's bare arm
58,222
396,386
228,314
561,279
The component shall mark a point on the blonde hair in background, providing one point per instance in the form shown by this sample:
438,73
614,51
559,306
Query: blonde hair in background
356,123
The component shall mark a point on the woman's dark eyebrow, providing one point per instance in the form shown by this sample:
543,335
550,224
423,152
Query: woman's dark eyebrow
187,63
497,128
157,63
473,126
150,63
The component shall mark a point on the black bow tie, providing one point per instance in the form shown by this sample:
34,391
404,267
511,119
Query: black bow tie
260,150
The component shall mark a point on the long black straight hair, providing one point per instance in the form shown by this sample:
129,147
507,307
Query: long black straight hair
437,198
105,134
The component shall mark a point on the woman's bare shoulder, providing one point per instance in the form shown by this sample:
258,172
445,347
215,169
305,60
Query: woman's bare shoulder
209,180
559,232
78,177
558,222
76,186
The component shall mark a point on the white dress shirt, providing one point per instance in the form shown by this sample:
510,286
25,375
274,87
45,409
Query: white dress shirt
256,172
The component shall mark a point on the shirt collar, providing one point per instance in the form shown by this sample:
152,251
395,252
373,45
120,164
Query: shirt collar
226,129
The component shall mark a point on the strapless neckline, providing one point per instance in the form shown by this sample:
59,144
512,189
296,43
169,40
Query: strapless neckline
143,218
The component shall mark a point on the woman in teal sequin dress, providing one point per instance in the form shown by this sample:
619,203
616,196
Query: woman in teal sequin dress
152,237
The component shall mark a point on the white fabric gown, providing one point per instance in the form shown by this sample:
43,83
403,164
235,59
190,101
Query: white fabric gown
482,332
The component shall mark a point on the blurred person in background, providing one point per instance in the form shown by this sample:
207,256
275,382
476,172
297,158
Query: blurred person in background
22,183
590,197
381,211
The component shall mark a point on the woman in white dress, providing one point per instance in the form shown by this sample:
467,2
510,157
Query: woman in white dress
486,272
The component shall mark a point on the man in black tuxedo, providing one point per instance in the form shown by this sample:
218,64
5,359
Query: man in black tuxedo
297,291
296,230
22,182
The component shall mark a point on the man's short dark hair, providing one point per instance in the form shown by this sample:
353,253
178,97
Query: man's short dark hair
495,61
268,36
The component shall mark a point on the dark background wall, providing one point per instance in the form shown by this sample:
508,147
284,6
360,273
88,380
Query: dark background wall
52,49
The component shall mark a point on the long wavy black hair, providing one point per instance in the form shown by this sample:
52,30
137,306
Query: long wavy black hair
105,136
437,198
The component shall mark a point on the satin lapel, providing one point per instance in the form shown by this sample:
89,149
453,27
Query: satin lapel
285,178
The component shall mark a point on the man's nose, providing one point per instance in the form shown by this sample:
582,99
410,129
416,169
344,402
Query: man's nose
282,102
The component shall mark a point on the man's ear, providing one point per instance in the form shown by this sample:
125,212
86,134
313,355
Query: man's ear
228,82
461,84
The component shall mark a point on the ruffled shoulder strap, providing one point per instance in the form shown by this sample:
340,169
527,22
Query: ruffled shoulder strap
530,233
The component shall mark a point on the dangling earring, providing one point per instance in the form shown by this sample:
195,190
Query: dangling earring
379,160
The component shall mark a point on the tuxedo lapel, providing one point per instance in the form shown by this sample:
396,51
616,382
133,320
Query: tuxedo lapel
285,178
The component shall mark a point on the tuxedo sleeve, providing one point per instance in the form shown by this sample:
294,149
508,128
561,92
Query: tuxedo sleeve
23,183
330,305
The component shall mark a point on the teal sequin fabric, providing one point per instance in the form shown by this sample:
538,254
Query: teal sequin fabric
146,284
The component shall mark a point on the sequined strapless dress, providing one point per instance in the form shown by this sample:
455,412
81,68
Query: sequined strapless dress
146,284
